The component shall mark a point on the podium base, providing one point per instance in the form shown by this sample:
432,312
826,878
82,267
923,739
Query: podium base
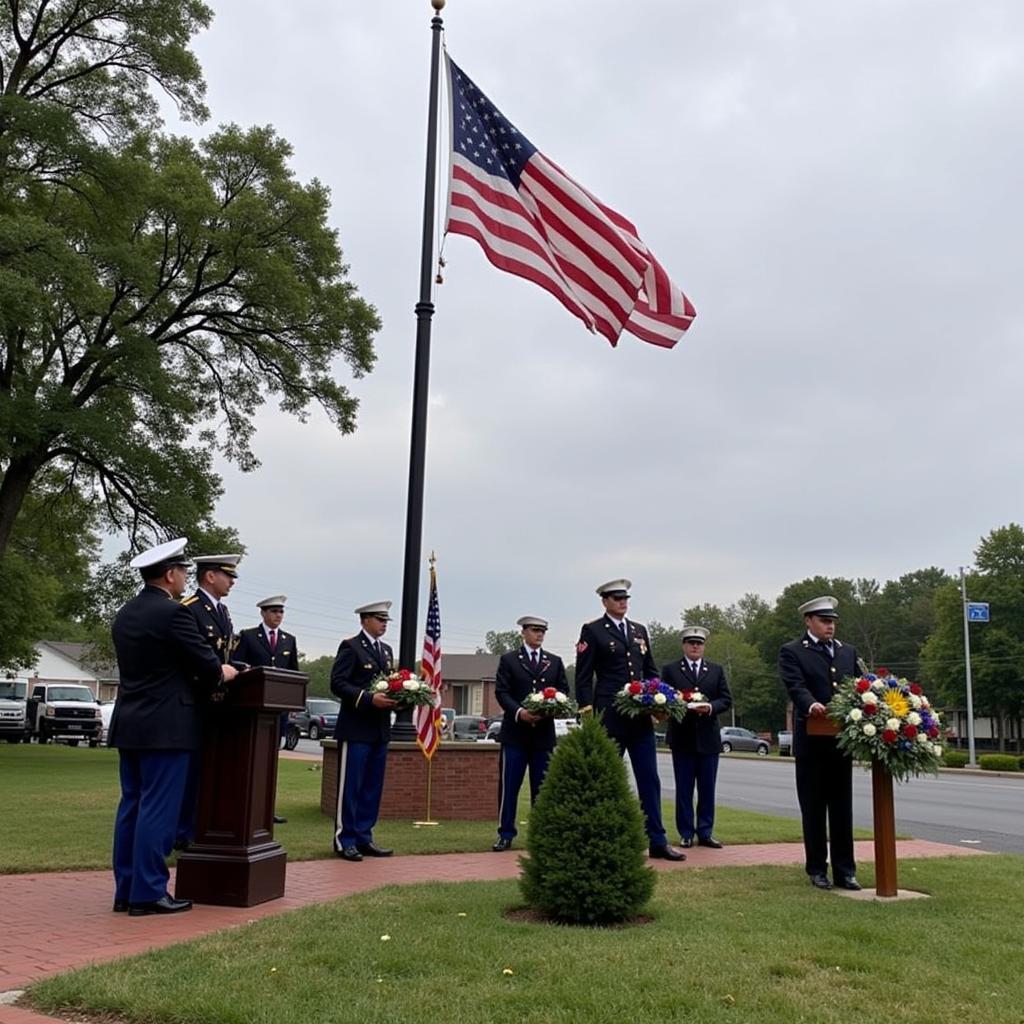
873,897
236,879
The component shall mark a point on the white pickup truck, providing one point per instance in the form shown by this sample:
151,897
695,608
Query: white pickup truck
64,711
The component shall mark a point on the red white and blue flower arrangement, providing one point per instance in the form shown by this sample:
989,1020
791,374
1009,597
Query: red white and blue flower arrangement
404,688
890,720
653,697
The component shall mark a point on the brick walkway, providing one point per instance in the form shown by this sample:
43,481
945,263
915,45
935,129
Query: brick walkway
52,922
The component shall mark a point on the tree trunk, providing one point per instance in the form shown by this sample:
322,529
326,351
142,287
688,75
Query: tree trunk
13,490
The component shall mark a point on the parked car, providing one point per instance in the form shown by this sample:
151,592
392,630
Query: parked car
563,726
319,718
469,727
734,738
13,726
785,743
63,711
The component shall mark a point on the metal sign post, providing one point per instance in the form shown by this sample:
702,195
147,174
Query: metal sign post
968,618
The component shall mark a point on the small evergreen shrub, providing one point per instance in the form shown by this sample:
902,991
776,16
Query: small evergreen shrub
587,846
999,763
954,759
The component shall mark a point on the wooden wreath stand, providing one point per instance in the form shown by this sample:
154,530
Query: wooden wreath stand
882,808
235,860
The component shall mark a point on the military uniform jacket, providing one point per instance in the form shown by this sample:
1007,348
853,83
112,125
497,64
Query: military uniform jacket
355,668
218,633
254,649
810,676
165,669
515,679
605,663
697,734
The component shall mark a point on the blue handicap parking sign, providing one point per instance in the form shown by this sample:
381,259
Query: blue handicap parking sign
977,611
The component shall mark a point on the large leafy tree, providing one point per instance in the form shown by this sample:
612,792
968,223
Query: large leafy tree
154,290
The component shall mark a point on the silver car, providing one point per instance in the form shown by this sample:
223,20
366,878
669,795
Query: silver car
734,738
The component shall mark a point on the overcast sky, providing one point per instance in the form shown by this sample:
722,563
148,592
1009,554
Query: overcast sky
835,186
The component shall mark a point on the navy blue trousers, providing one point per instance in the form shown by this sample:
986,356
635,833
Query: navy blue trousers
700,770
512,768
643,756
360,785
152,786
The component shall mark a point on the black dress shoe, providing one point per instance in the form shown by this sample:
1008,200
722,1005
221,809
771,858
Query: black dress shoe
372,850
501,845
665,853
710,841
686,843
120,906
349,853
278,820
165,905
820,881
849,882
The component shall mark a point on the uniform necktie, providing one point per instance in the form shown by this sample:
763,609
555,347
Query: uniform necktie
533,658
694,667
222,613
622,629
273,639
376,649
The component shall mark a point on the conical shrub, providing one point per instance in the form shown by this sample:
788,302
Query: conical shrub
587,847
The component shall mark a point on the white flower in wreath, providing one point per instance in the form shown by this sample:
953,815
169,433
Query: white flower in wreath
410,684
856,715
878,686
915,701
924,702
893,723
660,698
561,697
380,685
937,750
914,718
868,698
869,729
922,738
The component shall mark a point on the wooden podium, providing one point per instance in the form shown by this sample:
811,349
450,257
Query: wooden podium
882,808
235,860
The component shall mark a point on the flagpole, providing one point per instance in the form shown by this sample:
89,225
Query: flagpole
421,379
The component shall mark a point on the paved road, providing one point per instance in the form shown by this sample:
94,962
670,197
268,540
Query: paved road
978,810
986,812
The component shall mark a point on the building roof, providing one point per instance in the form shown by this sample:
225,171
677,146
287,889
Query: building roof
78,654
469,668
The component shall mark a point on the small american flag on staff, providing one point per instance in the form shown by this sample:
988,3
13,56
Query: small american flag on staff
531,219
427,718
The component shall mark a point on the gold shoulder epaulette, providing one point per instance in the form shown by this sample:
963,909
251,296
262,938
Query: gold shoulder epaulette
190,600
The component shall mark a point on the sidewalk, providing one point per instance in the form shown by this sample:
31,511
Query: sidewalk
56,921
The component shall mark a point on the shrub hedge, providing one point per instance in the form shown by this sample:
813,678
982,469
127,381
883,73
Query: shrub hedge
999,762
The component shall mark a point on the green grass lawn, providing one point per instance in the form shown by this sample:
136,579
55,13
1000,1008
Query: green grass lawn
63,800
750,945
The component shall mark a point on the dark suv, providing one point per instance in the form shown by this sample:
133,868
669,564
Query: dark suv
319,719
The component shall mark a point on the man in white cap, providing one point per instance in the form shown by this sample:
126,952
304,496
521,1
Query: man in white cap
811,668
362,732
526,739
612,652
268,645
695,742
165,669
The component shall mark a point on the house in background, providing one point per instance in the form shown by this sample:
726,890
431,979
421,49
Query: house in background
469,684
68,663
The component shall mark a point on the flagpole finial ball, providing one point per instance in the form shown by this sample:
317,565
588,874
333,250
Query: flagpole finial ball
438,5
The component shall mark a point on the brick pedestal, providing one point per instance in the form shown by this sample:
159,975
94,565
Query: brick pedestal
464,784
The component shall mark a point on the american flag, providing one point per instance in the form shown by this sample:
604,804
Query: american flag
533,220
427,718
